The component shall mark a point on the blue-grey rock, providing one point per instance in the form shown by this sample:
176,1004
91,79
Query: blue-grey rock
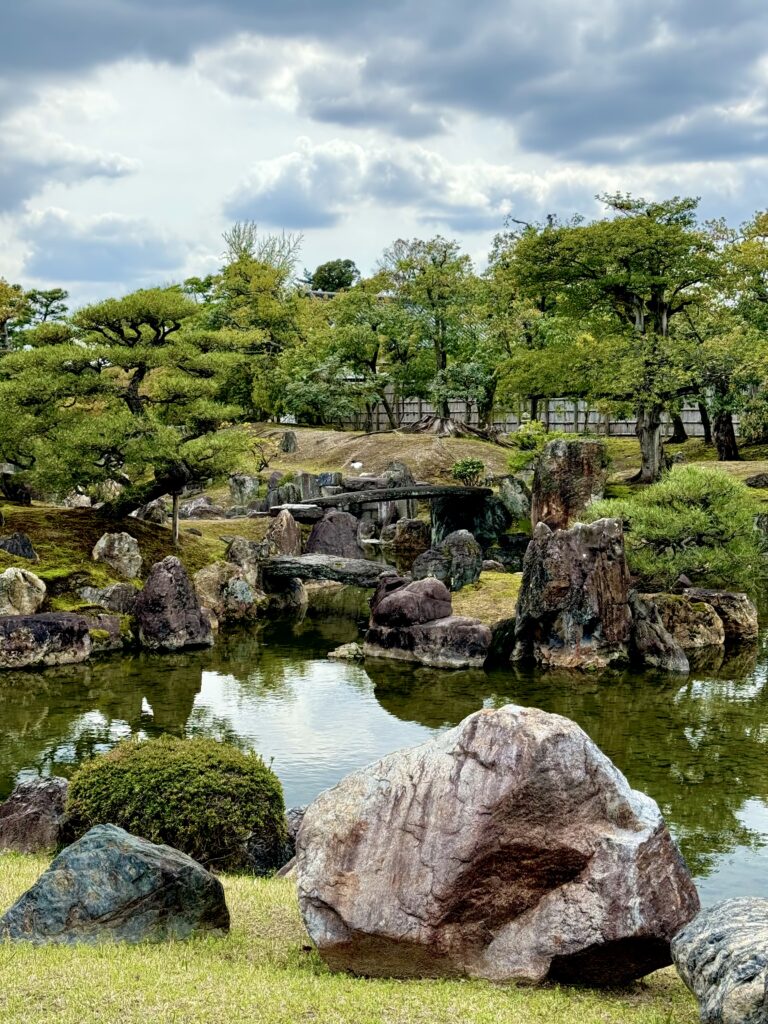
456,561
722,956
111,886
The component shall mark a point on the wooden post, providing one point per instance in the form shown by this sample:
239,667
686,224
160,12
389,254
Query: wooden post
175,521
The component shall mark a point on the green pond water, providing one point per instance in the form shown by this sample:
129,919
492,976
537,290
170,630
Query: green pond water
699,745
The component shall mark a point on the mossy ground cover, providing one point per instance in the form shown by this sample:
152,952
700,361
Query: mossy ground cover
491,599
265,973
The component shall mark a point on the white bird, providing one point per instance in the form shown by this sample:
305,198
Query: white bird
356,465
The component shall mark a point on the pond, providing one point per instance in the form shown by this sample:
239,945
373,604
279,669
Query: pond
698,745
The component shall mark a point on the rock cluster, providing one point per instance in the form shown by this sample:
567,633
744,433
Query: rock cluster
509,848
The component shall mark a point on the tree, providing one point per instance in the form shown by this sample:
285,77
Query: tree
13,310
46,305
134,398
625,279
335,276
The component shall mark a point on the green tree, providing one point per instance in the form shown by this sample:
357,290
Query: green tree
46,305
335,276
14,307
625,279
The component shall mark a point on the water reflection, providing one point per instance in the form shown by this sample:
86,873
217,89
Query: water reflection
698,746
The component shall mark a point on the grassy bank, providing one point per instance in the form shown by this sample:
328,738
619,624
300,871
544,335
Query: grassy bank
263,972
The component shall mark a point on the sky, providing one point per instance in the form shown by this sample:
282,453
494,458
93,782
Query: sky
134,132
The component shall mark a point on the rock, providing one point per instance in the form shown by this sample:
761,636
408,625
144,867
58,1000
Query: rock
722,956
424,600
21,592
54,638
119,597
308,485
738,613
287,598
168,612
111,886
693,624
453,642
457,561
347,652
274,480
31,818
77,500
224,588
244,488
569,475
366,532
573,608
288,442
508,848
759,480
356,572
489,565
120,551
477,510
284,535
20,546
329,479
193,531
153,512
106,633
335,534
201,507
652,644
510,551
301,513
516,496
410,536
249,555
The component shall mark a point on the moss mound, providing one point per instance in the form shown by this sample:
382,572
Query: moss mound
197,795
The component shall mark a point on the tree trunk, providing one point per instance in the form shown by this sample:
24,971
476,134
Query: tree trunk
648,430
535,407
705,422
679,435
175,520
725,438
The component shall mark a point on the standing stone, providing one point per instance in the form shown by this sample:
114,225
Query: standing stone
248,555
224,589
410,536
509,848
54,638
308,485
516,496
652,644
335,534
738,613
573,608
168,612
244,488
284,535
722,956
569,475
457,561
694,624
31,818
120,551
21,592
111,886
288,442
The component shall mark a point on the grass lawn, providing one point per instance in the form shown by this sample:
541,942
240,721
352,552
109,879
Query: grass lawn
491,599
264,972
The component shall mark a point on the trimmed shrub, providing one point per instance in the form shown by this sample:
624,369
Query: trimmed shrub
699,522
468,471
529,441
198,795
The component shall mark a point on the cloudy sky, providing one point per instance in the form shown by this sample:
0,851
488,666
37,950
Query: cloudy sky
134,131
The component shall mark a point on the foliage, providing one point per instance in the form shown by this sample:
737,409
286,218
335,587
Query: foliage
200,796
335,276
529,441
469,471
694,521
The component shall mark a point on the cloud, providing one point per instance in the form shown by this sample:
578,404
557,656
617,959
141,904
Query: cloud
107,248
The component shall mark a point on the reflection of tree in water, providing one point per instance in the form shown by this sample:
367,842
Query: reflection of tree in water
698,746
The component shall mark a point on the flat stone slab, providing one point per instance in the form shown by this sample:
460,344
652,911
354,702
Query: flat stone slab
357,572
373,495
306,513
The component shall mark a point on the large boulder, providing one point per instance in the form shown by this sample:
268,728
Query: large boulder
224,588
249,556
652,644
453,642
153,512
21,592
568,476
201,507
516,496
119,551
20,546
119,597
335,534
111,886
738,613
409,536
722,956
54,638
243,488
573,607
284,535
508,848
456,561
421,601
168,612
31,818
693,624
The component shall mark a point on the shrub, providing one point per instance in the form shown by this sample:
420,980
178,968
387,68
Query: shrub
698,522
199,795
468,471
528,442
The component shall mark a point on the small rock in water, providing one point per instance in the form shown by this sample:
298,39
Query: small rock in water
111,886
722,956
348,652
